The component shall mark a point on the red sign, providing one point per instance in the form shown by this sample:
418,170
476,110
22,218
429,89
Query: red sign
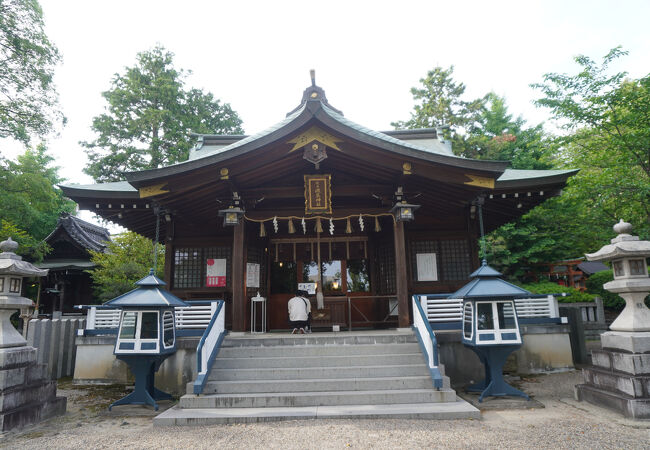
215,273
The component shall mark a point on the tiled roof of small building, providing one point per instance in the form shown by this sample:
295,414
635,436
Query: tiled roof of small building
87,235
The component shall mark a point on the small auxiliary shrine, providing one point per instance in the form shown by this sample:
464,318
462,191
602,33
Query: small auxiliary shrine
146,336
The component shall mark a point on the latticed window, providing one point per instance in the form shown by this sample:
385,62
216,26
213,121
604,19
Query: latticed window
190,265
453,258
386,269
455,261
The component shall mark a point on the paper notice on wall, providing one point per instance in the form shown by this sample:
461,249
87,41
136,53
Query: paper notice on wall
252,275
427,267
215,273
310,288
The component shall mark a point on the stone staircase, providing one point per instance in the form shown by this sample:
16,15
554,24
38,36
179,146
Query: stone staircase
343,375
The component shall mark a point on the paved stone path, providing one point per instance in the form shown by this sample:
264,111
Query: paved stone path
564,423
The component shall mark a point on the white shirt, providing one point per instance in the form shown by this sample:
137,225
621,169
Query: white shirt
299,309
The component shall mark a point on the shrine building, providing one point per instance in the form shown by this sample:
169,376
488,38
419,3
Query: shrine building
387,214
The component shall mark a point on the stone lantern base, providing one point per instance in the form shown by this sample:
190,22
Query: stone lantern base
27,395
620,376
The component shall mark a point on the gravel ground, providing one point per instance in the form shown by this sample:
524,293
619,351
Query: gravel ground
564,423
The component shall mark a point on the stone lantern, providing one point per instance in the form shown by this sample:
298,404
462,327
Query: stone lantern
620,375
26,394
628,256
12,271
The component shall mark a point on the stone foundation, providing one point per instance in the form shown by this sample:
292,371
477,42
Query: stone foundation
27,395
619,378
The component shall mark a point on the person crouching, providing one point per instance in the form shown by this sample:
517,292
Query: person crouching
299,309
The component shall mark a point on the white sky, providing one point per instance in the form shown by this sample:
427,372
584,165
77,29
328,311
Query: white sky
256,55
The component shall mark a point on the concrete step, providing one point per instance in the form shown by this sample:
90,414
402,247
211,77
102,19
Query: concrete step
283,399
321,339
317,361
317,385
304,373
176,416
318,350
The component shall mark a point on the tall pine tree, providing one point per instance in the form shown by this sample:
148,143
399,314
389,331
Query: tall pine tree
149,118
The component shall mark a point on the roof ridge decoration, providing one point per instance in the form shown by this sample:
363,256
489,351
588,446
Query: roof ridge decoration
313,93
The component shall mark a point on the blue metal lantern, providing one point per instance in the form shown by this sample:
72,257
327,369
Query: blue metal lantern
146,336
490,327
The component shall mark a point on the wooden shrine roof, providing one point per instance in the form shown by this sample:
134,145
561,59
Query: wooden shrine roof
267,169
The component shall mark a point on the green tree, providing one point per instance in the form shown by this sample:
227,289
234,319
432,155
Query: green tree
481,128
29,246
28,99
149,118
499,136
608,138
608,123
30,203
439,102
128,258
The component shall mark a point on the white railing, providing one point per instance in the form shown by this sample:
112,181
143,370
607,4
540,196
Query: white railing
193,317
99,319
209,346
441,310
427,339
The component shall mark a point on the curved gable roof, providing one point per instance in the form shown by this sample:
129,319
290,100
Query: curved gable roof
320,111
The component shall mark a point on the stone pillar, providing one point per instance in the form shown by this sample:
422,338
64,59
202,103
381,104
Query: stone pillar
401,281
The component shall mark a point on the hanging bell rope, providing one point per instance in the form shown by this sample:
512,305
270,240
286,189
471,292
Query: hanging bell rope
319,226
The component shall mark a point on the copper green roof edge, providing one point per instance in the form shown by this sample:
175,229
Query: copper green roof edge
420,152
379,135
66,264
518,174
220,154
512,178
120,189
201,161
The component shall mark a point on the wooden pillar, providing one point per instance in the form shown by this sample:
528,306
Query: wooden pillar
169,258
238,289
401,282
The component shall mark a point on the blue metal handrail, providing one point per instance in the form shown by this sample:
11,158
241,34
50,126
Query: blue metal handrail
432,360
203,367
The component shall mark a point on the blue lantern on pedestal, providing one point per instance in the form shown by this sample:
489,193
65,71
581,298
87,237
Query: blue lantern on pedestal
146,336
490,327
